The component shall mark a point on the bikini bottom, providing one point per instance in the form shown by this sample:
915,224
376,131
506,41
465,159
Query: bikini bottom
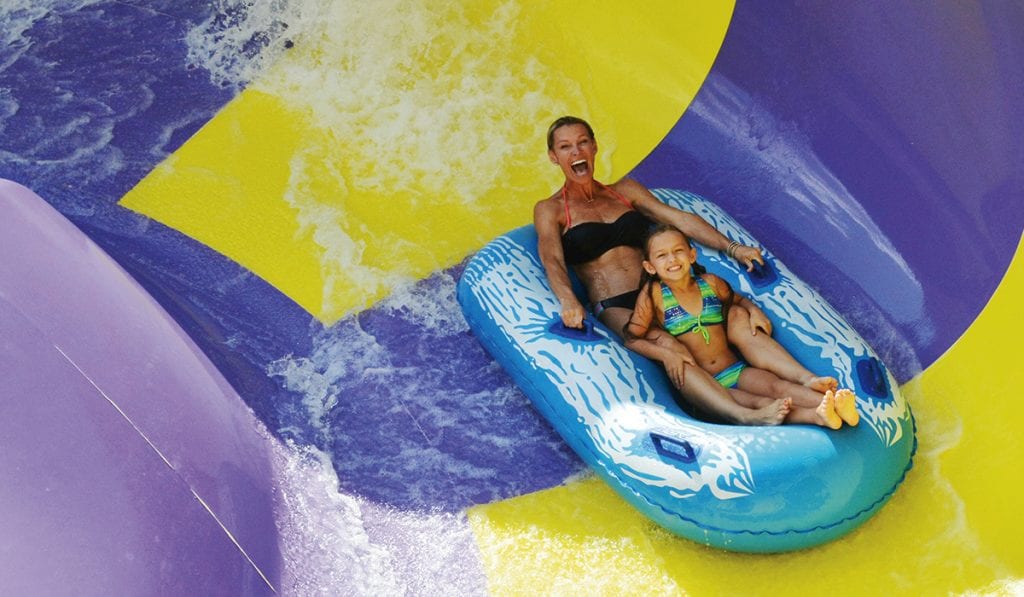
626,300
730,376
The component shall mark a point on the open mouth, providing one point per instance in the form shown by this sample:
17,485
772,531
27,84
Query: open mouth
580,167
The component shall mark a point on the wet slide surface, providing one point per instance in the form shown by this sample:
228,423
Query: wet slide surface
298,195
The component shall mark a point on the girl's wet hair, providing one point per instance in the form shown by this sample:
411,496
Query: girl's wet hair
657,229
566,121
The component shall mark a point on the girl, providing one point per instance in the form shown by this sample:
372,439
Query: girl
692,307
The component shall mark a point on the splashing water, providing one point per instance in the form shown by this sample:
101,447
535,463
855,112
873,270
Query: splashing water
432,106
387,395
333,543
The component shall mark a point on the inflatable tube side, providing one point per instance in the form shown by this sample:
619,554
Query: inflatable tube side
734,487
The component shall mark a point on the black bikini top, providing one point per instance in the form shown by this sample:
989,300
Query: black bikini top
589,240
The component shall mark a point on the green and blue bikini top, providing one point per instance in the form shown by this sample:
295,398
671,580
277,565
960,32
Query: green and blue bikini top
679,321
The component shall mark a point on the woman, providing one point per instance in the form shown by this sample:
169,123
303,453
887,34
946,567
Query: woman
598,230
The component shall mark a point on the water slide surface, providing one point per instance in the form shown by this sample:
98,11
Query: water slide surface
297,184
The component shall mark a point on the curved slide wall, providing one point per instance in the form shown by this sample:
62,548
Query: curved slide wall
297,186
129,462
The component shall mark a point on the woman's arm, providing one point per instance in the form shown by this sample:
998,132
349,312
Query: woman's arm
729,297
549,246
690,224
758,320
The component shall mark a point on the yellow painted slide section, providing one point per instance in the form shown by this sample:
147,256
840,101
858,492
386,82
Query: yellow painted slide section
377,151
955,526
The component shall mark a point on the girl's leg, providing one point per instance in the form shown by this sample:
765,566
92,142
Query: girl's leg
763,352
750,400
809,407
700,389
704,392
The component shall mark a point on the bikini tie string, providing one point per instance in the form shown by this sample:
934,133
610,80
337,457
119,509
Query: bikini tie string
702,330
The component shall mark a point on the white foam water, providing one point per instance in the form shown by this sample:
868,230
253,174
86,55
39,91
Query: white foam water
18,16
393,131
1004,587
426,105
338,544
241,38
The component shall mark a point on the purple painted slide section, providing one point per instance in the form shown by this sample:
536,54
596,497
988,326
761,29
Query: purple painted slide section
877,147
129,464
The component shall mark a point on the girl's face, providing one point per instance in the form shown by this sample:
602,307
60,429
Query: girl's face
670,256
573,151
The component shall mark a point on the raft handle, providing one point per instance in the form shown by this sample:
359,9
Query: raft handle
587,334
763,275
674,449
871,374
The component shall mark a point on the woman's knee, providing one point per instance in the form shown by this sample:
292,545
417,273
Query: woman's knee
615,319
781,388
738,326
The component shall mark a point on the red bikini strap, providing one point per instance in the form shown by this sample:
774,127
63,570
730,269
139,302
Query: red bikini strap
565,201
617,195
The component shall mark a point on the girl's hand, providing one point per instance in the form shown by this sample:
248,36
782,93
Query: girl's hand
748,255
759,321
675,366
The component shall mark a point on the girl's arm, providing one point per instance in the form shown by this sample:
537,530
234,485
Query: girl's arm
634,333
641,335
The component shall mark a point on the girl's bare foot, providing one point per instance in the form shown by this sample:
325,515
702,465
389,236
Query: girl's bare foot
846,406
773,414
822,384
826,412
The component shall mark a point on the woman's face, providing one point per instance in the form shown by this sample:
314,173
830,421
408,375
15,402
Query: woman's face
573,151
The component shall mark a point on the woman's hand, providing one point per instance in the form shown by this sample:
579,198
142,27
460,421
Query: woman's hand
748,255
573,314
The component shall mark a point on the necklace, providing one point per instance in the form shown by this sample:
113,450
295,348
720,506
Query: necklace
588,198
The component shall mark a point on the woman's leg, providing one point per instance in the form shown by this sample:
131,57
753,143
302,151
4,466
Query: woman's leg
809,407
763,352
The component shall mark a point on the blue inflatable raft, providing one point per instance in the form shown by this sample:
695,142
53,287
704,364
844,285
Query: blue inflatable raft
756,489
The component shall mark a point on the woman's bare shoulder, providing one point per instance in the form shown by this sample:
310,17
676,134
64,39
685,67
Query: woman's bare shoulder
551,201
548,208
632,190
627,184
